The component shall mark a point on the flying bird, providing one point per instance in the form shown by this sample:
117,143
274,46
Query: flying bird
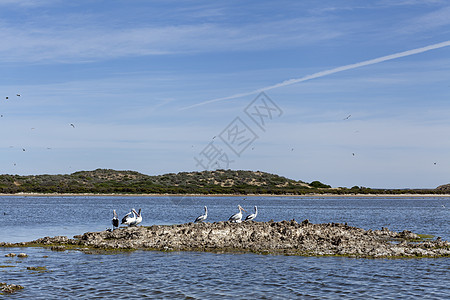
115,220
7,98
18,95
23,149
348,117
72,125
252,216
237,217
202,217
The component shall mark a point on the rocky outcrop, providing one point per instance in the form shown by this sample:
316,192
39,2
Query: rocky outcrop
286,237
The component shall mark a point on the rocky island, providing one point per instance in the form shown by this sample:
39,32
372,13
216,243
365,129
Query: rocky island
285,237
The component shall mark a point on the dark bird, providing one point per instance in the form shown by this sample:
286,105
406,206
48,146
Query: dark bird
7,98
18,95
348,117
72,125
23,149
434,163
202,217
353,154
115,220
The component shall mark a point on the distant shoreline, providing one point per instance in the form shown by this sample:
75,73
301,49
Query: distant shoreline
229,195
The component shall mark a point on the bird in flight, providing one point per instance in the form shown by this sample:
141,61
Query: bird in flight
348,117
72,125
18,95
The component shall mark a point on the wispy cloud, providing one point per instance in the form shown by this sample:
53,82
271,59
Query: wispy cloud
429,21
68,42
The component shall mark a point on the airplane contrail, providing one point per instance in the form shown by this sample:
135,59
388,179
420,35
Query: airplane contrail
328,72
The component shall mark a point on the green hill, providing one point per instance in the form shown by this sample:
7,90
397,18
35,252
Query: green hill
233,182
112,181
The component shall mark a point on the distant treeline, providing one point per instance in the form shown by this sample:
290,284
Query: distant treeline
105,181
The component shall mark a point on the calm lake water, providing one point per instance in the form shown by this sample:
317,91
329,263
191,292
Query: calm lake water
193,275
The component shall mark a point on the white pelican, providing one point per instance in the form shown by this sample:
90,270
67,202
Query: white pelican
115,219
138,218
237,218
252,216
202,217
128,219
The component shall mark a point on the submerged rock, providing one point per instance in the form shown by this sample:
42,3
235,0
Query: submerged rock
285,237
9,288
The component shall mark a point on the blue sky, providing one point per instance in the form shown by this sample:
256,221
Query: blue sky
135,78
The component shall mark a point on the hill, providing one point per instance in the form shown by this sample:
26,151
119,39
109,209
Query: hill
112,181
234,182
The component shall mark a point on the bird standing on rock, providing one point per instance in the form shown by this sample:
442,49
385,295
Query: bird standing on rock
252,216
202,217
128,219
138,218
115,220
237,218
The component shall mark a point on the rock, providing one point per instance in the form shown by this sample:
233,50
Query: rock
9,288
58,248
285,237
22,255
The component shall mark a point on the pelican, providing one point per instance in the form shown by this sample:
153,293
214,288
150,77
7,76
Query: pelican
252,216
237,218
138,218
202,217
128,219
115,219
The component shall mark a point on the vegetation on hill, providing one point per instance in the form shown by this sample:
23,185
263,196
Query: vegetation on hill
104,181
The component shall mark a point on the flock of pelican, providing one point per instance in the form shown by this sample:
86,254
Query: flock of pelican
133,218
236,218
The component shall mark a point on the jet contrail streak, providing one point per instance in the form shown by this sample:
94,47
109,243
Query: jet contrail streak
329,72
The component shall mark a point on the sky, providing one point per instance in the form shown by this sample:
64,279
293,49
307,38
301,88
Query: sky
344,92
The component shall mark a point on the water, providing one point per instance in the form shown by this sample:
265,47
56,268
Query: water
193,275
